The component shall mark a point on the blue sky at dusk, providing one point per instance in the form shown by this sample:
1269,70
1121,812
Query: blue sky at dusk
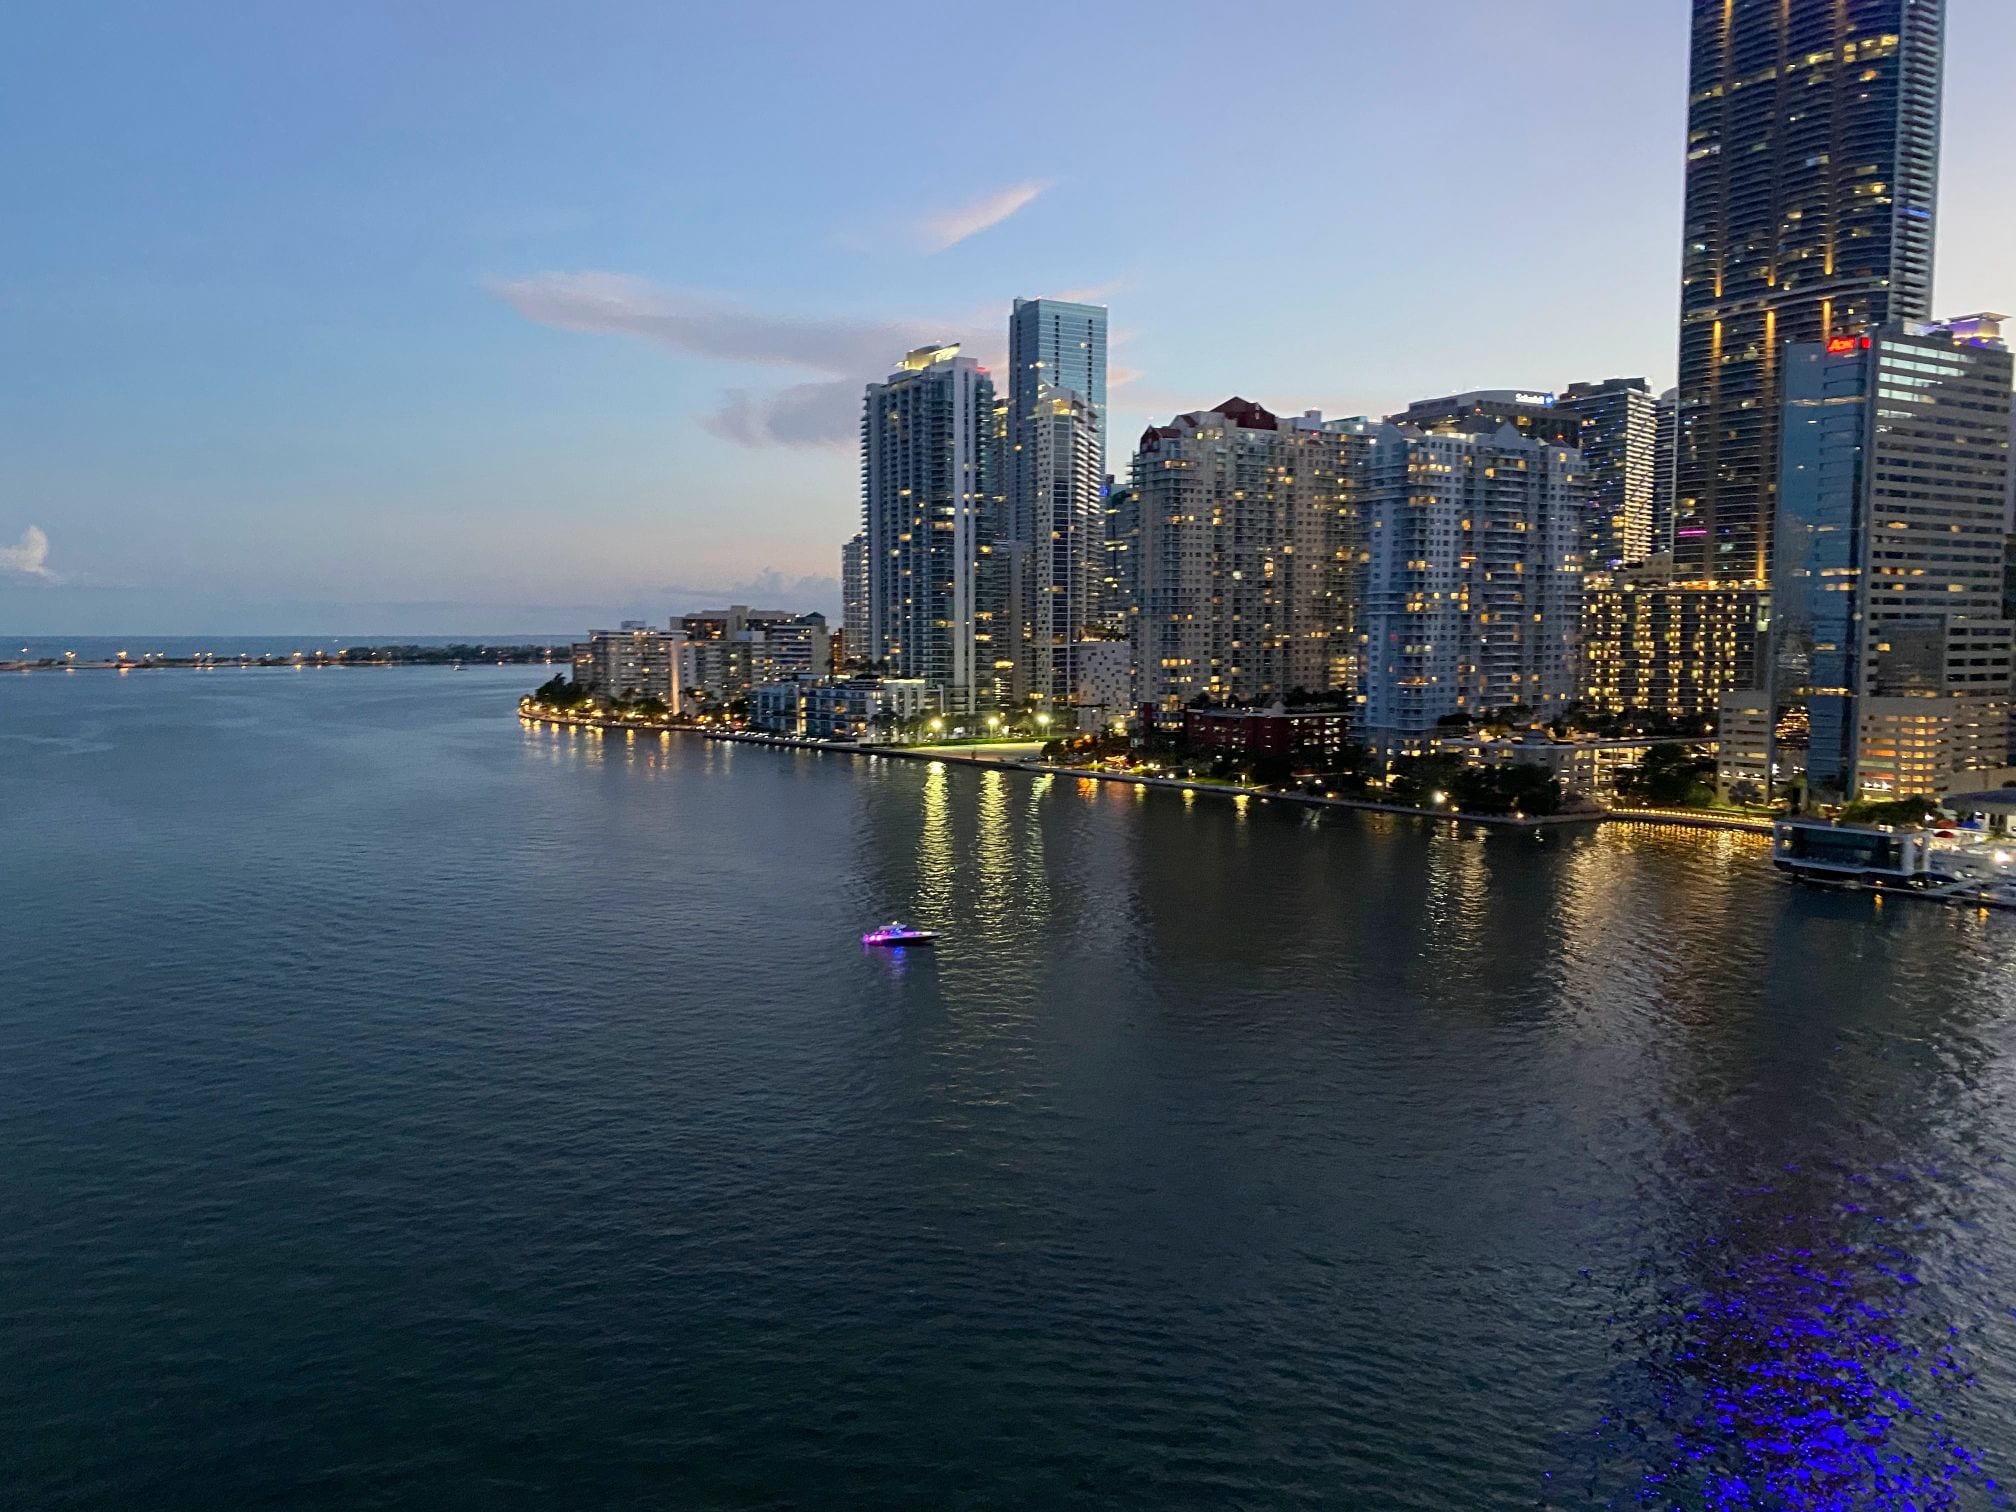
467,315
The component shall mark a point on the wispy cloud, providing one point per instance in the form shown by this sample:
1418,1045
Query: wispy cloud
1098,293
835,355
948,228
842,353
704,327
30,558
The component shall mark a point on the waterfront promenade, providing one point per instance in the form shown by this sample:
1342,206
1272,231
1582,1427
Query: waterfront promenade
996,756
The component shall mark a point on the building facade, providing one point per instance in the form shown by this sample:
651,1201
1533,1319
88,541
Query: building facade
864,707
1890,636
1053,528
1246,554
1666,648
1120,588
1618,436
1472,578
1485,412
1105,683
636,661
1812,175
1320,735
728,652
926,478
1665,470
1060,521
854,593
1057,344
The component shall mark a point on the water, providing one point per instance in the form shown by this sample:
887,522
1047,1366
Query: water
403,1108
103,648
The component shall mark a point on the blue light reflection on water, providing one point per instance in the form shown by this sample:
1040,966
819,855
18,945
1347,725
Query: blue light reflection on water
1764,1369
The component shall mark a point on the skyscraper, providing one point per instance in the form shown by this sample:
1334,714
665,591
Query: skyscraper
1051,540
1618,438
1058,460
1812,170
1472,579
1245,556
1888,622
854,595
1665,470
1120,592
926,456
1054,343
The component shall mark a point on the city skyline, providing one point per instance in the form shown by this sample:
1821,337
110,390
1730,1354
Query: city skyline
390,378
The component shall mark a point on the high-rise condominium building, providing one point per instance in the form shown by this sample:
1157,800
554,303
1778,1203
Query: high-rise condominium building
1669,649
1000,577
1057,344
1665,470
1060,515
1120,592
854,595
1245,554
1472,577
1051,535
633,662
926,460
1888,621
727,652
1618,436
1812,170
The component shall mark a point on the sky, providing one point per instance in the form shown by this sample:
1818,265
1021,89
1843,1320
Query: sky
446,316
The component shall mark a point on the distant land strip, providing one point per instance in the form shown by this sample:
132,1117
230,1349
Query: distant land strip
349,656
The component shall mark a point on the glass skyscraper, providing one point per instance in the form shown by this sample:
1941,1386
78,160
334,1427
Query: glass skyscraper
1887,596
1054,343
1053,551
926,462
1812,171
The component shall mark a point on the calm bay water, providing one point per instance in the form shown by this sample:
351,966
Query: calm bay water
403,1108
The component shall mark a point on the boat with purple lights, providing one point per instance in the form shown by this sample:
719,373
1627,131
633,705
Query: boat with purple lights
897,935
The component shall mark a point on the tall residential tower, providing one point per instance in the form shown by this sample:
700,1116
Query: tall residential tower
1812,171
926,460
1246,555
1618,437
1052,543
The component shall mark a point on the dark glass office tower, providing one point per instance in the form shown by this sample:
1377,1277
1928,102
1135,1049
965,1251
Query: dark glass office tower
1812,170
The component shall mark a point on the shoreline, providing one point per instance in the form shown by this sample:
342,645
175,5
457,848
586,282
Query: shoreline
1170,784
264,663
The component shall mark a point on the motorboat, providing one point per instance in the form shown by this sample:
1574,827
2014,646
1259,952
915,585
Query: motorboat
897,934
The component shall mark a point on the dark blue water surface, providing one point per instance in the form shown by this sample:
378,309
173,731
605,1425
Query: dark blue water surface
405,1108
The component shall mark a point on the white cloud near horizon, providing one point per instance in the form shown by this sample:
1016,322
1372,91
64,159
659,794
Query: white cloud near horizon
839,355
844,353
30,558
948,228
